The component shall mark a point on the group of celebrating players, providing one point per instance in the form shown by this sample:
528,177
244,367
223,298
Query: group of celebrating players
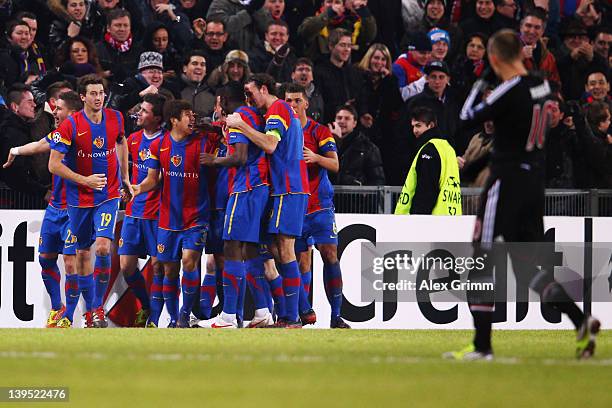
252,190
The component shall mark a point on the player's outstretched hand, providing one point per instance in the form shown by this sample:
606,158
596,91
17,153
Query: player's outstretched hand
96,181
9,160
234,120
309,156
207,159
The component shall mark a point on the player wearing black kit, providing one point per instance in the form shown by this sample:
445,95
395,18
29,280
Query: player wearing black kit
512,204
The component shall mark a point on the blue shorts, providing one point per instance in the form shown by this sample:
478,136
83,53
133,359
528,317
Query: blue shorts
319,228
90,223
245,214
287,215
138,237
55,234
170,244
214,240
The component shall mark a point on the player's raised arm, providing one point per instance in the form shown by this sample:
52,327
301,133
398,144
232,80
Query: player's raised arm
265,141
30,149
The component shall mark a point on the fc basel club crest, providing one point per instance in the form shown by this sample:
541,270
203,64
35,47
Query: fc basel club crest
120,242
99,142
160,248
176,160
144,154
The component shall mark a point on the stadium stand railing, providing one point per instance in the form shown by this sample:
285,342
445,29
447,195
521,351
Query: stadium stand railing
382,200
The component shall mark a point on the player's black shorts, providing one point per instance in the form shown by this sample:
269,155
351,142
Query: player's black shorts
512,206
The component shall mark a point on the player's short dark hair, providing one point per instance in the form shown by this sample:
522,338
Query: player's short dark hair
72,100
193,53
293,88
90,79
597,112
114,14
303,61
264,80
350,109
424,114
336,35
174,110
277,23
54,89
232,97
15,93
505,45
157,101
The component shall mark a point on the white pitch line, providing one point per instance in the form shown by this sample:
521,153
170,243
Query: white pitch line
285,358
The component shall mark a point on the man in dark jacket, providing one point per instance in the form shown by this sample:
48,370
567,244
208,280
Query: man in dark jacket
213,43
274,56
439,97
117,52
485,21
360,160
15,131
193,87
245,20
339,81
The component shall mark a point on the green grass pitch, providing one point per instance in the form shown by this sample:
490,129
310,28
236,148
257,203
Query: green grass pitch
305,368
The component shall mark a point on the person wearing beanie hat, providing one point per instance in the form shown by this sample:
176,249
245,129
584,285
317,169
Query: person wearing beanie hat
235,68
408,67
148,80
435,18
440,44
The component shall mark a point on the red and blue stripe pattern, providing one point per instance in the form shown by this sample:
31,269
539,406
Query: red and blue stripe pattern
144,206
220,178
58,187
287,165
255,171
91,148
184,196
319,140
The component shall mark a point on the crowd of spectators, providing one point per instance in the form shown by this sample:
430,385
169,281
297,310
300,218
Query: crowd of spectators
366,64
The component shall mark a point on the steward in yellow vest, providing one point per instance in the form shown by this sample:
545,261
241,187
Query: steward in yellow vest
432,185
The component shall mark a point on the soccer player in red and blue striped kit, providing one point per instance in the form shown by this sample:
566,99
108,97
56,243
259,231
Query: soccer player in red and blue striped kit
55,235
319,223
219,181
89,151
183,215
283,141
139,230
243,228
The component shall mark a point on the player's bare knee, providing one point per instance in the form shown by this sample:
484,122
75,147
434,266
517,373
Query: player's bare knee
70,264
329,253
103,247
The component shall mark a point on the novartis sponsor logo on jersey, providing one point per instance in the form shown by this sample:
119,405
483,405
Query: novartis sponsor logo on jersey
96,155
181,174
